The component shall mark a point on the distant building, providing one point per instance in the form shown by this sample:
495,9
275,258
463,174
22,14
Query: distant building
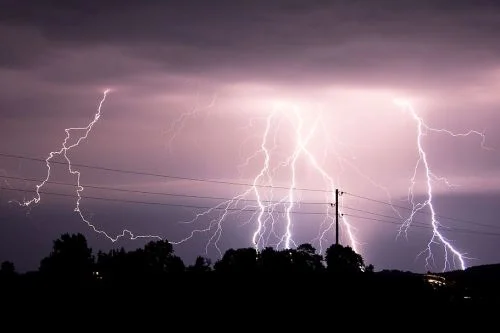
435,280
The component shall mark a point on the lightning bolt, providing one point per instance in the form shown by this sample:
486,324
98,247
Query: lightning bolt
274,203
66,147
179,123
273,206
430,177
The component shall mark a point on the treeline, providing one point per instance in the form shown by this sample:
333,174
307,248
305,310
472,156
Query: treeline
71,259
240,275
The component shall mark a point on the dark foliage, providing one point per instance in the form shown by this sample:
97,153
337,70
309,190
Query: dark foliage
243,275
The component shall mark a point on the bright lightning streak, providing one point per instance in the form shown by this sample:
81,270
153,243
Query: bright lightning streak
430,177
263,171
65,148
267,210
266,213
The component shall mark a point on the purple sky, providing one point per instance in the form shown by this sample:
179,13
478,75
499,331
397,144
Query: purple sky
233,61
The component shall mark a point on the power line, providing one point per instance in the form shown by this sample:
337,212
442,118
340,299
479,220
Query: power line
394,217
427,227
398,219
242,210
425,213
142,173
375,214
162,193
417,225
381,202
228,183
158,203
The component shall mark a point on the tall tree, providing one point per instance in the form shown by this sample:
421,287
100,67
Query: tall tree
342,259
306,259
7,271
201,265
240,260
270,260
159,258
70,259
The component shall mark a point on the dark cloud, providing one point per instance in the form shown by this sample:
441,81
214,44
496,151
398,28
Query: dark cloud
21,46
203,24
288,40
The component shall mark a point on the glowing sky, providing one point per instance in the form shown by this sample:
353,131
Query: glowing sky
233,61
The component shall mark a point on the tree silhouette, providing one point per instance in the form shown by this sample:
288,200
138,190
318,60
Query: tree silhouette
8,268
237,261
114,265
7,271
70,259
159,258
201,265
305,259
155,260
342,259
152,266
272,261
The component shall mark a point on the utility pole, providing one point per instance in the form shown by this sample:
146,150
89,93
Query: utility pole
337,216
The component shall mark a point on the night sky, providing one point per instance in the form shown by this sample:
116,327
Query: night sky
222,67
